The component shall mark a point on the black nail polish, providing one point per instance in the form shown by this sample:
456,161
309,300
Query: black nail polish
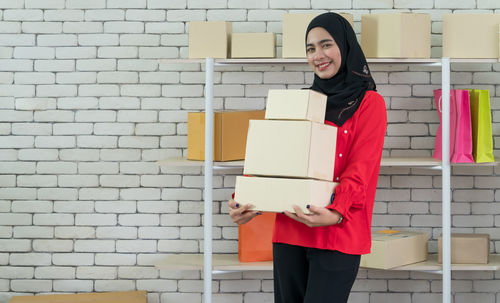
237,205
308,206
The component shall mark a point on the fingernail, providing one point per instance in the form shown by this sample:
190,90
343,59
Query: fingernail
308,206
259,213
237,205
283,212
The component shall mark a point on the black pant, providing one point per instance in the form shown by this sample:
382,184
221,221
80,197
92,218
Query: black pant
311,275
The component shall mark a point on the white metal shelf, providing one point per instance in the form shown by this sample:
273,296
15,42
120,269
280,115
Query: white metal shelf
229,262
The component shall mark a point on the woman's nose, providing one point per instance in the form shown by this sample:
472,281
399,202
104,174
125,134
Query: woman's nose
319,54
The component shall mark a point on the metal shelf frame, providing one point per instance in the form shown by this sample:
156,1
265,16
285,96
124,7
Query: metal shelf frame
444,165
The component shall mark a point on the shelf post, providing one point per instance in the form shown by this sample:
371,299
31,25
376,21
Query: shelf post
209,142
446,204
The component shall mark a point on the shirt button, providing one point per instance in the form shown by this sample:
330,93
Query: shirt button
345,131
340,155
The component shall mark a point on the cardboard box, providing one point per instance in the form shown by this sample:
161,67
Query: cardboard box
392,248
399,35
210,39
279,194
470,35
300,149
294,33
105,297
296,104
230,134
253,45
467,248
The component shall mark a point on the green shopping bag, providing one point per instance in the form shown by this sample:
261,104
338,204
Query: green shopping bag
482,146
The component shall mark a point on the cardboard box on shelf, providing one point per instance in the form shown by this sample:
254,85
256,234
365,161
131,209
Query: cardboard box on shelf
470,35
294,33
209,39
253,45
467,248
398,35
230,134
296,104
392,248
300,149
105,297
279,194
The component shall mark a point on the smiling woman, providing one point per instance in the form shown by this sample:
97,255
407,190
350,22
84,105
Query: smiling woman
316,256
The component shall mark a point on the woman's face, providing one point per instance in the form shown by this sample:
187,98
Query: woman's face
323,54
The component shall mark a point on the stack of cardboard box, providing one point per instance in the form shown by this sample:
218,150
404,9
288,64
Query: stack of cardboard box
290,156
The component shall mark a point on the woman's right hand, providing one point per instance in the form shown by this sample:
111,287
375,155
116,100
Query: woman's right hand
241,214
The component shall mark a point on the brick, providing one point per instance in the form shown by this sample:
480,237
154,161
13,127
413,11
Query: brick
74,206
160,285
125,181
17,141
95,116
31,285
145,15
390,298
95,219
76,78
16,65
79,155
94,272
23,15
10,27
15,116
138,142
165,28
94,246
146,90
115,259
34,53
86,4
140,39
180,220
17,167
37,259
157,206
5,4
139,220
136,246
73,285
55,65
34,78
181,297
78,181
158,52
53,245
18,193
113,129
82,28
55,142
17,90
73,259
117,52
161,181
123,27
136,272
177,246
72,128
120,155
140,193
57,40
63,14
75,52
98,194
114,285
119,103
37,181
73,232
34,232
98,168
170,4
117,77
137,64
15,245
454,5
158,232
98,39
17,39
54,272
7,181
116,232
16,272
53,219
42,27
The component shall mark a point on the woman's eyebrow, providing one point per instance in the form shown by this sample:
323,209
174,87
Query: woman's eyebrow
322,41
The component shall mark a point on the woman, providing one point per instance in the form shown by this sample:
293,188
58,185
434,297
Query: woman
316,256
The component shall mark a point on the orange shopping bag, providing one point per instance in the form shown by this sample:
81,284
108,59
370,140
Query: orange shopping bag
255,239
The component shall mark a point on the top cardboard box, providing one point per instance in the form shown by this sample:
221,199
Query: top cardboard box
296,104
400,35
471,35
210,39
253,45
294,33
467,248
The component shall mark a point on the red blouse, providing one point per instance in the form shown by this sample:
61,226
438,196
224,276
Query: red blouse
358,153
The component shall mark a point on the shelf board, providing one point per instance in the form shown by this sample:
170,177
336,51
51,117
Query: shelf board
385,162
229,262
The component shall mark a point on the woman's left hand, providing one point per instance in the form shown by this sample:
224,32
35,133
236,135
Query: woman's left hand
320,216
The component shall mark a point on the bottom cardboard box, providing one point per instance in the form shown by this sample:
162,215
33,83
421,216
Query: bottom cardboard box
105,297
392,248
467,248
279,194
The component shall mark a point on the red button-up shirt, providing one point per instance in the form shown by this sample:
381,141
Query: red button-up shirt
358,152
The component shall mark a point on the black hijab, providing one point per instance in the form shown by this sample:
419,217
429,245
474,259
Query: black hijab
346,89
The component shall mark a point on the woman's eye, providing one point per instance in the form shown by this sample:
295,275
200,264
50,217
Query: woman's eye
327,45
310,50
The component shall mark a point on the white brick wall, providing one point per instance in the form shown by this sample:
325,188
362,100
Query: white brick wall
86,109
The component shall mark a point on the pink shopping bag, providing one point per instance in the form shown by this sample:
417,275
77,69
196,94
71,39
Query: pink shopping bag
460,127
462,151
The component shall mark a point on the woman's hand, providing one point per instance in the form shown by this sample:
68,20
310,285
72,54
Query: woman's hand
241,214
320,216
